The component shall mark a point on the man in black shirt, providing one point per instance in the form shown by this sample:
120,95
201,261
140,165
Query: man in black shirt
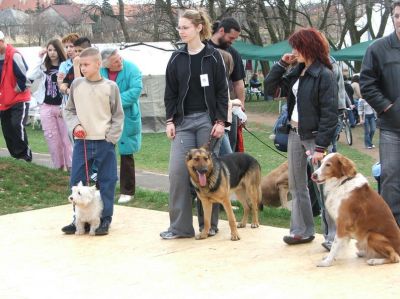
225,32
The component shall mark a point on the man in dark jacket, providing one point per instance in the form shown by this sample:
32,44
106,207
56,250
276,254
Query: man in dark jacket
14,100
381,89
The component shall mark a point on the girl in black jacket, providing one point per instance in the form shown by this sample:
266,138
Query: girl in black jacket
196,102
312,110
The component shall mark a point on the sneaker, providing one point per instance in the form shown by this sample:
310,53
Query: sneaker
71,228
327,245
125,198
294,240
103,228
167,235
212,232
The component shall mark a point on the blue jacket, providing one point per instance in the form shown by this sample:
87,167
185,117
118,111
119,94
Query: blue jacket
129,81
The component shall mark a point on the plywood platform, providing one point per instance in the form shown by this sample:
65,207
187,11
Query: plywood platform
38,261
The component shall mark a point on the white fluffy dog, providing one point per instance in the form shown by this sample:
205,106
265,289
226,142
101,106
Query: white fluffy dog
88,207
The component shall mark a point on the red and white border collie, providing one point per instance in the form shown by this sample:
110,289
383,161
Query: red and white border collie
359,212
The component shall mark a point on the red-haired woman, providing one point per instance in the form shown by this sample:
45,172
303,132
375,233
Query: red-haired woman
311,92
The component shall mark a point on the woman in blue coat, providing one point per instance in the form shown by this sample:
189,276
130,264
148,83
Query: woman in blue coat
129,80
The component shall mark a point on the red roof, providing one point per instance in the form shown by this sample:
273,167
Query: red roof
71,13
23,4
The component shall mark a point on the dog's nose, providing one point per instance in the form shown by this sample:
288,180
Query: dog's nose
70,198
202,170
314,176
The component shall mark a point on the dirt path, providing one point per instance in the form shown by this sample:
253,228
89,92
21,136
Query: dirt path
358,133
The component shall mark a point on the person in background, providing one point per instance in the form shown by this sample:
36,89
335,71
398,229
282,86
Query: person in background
312,92
129,80
379,81
367,118
68,42
74,72
50,99
14,100
224,33
96,120
356,96
196,103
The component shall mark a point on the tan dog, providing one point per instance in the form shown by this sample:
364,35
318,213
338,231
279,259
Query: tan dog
214,179
359,212
275,187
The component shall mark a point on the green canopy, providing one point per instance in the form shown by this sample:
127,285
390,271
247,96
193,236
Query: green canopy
355,52
272,52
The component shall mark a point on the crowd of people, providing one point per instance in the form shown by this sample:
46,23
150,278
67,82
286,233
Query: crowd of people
89,103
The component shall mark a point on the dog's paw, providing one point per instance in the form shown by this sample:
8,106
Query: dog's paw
201,236
80,232
361,253
241,225
374,262
235,237
325,263
92,233
254,225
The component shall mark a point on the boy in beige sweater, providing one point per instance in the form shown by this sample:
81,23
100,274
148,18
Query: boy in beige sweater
94,115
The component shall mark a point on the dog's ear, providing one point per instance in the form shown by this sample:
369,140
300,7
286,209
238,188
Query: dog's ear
80,184
189,155
93,188
347,166
205,146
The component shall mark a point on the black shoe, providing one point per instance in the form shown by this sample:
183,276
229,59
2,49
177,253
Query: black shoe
103,228
294,240
327,245
71,228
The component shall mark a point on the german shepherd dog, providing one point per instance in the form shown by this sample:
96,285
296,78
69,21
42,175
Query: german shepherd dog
214,178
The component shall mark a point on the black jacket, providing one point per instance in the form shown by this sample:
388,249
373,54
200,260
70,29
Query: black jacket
177,84
317,99
380,80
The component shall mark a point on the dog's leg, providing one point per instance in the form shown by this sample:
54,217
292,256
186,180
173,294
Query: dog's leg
231,218
254,194
381,245
94,224
362,248
242,197
337,246
207,208
283,196
80,227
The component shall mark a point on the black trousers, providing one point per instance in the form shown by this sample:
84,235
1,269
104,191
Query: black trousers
127,181
13,123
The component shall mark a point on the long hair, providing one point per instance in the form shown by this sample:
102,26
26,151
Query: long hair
198,17
56,43
312,44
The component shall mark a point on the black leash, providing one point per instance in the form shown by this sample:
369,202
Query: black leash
267,145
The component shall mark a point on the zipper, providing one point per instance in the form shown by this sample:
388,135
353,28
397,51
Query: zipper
187,89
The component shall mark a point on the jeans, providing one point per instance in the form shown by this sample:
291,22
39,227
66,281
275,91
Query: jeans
102,153
369,129
389,154
225,145
56,134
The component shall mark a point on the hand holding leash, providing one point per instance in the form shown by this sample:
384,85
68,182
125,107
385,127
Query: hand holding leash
79,132
218,129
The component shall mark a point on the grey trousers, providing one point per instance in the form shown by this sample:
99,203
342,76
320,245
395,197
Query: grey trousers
192,133
301,220
389,155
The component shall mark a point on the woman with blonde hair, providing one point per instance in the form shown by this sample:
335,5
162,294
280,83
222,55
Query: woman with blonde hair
196,102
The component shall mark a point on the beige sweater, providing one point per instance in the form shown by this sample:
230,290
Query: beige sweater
96,106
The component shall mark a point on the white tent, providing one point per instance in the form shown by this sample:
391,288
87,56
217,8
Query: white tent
152,59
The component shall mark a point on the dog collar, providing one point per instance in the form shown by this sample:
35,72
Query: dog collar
346,180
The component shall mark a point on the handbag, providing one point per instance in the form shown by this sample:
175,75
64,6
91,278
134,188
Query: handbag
281,130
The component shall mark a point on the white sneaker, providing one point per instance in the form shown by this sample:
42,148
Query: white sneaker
125,198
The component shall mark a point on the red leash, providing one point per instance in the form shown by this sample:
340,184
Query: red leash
86,162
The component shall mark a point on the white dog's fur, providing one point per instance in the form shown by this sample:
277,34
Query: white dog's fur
88,208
